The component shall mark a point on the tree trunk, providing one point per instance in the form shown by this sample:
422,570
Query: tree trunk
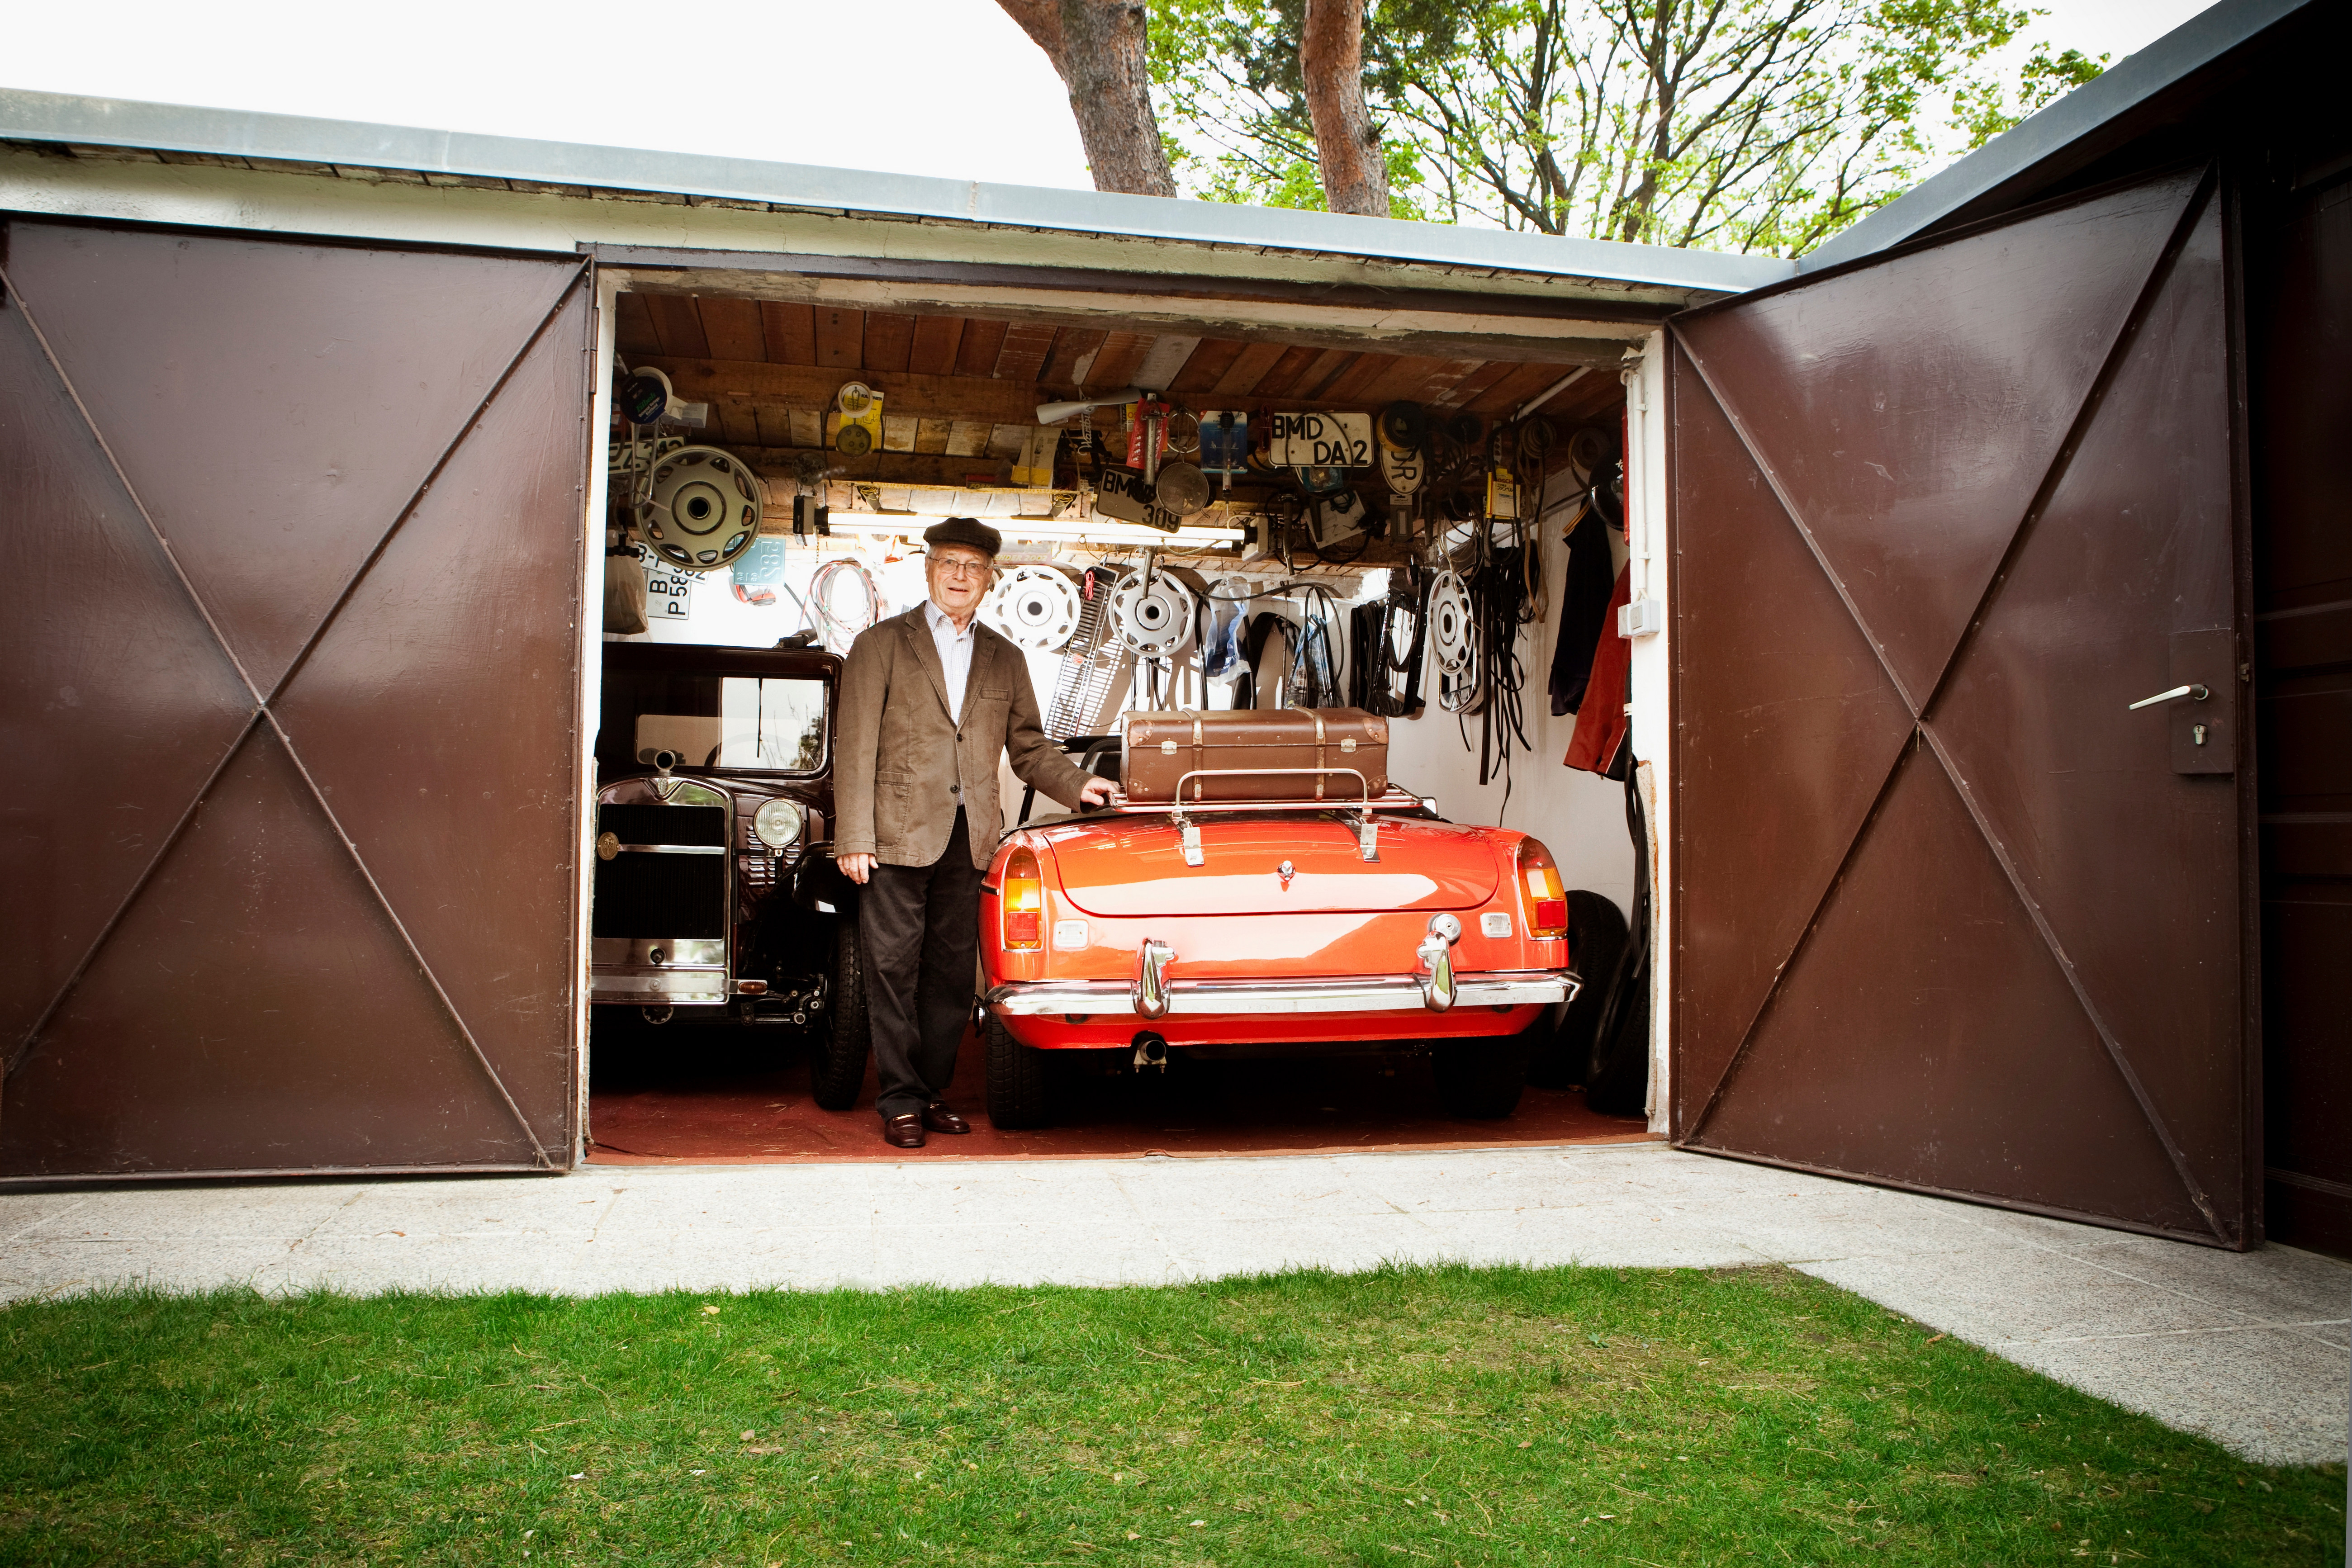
1347,143
1097,50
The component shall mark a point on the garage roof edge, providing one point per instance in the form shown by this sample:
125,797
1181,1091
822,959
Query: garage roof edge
68,120
2056,134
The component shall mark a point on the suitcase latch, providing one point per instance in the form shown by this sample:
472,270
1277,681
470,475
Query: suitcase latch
1167,748
1348,744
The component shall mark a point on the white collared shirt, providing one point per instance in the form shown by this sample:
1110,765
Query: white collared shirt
955,653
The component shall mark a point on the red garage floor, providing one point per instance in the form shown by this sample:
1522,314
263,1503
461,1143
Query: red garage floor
677,1097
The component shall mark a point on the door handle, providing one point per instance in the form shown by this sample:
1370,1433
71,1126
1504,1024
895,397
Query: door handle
2195,693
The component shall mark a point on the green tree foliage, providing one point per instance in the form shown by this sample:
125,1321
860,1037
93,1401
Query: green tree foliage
1755,125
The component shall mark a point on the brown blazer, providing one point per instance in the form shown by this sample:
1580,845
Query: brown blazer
904,763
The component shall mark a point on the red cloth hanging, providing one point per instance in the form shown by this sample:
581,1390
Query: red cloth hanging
1600,718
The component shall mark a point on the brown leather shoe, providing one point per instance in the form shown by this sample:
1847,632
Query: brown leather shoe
903,1131
939,1119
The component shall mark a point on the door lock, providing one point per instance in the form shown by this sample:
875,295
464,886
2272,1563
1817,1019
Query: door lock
2195,693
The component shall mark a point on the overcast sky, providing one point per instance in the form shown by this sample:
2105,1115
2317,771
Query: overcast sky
930,87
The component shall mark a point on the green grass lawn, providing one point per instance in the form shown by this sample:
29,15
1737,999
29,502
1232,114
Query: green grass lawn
1414,1416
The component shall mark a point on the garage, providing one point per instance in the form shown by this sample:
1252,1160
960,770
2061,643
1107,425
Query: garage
452,919
310,454
1293,584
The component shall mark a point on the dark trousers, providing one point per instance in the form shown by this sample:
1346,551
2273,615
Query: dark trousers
921,928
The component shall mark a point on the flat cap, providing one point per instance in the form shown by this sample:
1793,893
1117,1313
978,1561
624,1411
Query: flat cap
968,530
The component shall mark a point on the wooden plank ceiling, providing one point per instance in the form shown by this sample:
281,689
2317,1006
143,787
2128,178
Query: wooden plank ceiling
960,391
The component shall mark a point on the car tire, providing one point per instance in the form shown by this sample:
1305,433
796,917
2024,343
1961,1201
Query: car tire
1481,1079
1017,1095
1596,940
837,1069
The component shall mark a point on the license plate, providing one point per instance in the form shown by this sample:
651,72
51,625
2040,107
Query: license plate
1128,497
1320,440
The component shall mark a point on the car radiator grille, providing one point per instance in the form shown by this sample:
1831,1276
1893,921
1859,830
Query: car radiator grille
640,894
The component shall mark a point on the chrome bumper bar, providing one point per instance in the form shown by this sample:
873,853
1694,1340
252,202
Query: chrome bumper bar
654,986
1383,993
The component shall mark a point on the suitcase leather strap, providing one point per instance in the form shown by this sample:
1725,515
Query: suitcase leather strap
1319,759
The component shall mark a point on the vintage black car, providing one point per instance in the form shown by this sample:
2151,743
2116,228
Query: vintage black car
717,898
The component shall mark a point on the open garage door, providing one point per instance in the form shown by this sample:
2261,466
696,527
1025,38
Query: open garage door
289,834
1952,911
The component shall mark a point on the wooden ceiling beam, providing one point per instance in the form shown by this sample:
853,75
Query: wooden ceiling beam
840,339
1117,362
1072,347
790,330
983,342
1023,358
632,327
678,325
980,398
890,338
933,351
732,328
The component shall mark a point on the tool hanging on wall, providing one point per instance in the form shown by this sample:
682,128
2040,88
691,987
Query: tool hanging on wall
1147,437
1093,662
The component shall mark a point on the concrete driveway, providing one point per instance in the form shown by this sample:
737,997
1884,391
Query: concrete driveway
2250,1349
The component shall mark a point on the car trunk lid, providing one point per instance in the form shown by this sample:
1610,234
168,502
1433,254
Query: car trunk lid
1135,866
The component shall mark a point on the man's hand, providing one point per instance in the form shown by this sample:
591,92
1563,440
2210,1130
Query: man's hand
857,867
1096,793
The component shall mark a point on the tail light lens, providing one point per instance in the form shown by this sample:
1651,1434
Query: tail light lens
1540,894
1023,901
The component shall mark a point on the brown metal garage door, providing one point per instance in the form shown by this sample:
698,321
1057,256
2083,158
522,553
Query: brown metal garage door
288,835
1948,913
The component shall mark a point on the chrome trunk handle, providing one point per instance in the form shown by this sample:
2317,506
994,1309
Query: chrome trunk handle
1150,992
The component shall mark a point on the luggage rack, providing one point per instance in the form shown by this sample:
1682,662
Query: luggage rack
1362,809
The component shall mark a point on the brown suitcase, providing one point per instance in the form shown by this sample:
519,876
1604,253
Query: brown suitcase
1231,752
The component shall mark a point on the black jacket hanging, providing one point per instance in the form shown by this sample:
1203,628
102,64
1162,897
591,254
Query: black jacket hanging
1583,602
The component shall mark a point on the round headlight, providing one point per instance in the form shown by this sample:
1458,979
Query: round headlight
778,823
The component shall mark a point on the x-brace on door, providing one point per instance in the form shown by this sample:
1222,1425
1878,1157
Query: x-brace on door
1957,764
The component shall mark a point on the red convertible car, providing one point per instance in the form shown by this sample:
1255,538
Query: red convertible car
1250,914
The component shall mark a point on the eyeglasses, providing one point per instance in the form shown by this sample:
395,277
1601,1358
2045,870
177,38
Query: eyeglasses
961,566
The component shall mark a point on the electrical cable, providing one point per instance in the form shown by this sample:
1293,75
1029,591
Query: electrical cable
837,629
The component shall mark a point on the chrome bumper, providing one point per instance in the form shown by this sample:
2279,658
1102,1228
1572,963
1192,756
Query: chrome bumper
1386,994
658,986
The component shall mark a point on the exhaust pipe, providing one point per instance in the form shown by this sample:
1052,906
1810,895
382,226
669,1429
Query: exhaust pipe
1150,1051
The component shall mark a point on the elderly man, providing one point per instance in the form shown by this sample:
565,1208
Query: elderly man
929,702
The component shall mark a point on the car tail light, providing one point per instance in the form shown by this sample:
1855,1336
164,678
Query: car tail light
1540,891
1023,902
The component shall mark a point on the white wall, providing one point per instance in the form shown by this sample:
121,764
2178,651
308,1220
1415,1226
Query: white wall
1580,816
1649,541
